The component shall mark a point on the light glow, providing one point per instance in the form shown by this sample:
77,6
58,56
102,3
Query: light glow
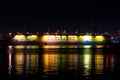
19,38
87,38
87,46
64,37
32,38
72,38
87,61
53,38
19,46
99,38
99,46
49,62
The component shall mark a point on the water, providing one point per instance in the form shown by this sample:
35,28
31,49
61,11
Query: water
54,63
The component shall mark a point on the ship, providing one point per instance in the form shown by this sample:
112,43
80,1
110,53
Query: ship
58,39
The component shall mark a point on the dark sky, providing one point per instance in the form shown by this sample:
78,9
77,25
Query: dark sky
60,15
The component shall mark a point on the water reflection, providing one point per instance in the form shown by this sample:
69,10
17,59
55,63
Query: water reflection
111,62
19,62
70,61
25,62
87,61
10,51
62,61
81,62
70,46
26,46
98,63
50,62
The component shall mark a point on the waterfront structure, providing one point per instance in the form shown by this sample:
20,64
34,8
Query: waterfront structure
59,39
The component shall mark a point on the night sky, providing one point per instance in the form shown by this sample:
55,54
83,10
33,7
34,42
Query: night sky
59,15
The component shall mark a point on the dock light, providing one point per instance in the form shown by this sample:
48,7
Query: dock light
48,38
28,38
72,38
32,38
87,38
64,37
99,38
20,37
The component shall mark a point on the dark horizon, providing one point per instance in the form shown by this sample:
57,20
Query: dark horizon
69,16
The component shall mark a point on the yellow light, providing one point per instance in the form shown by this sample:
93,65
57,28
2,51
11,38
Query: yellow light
49,38
19,46
34,46
19,37
87,46
99,38
99,46
87,60
34,37
72,38
53,38
80,38
19,60
51,46
33,62
99,63
57,37
49,61
71,61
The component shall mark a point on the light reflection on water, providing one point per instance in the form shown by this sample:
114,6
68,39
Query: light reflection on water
25,62
49,63
56,46
87,61
82,62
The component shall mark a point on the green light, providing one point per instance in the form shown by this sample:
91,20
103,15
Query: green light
64,37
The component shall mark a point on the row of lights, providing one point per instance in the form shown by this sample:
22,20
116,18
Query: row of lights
19,33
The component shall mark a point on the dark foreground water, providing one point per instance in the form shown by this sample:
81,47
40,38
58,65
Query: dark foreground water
54,63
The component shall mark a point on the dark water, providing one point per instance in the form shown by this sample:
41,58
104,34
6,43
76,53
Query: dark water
53,63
